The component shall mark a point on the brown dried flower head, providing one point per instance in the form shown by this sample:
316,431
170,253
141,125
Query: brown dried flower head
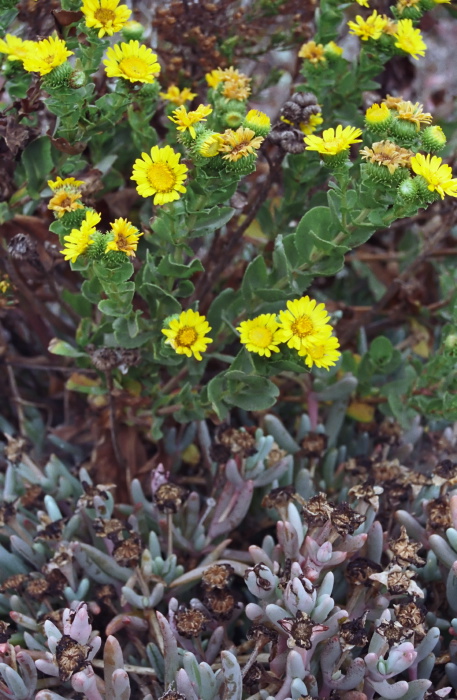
220,604
37,588
445,472
5,634
71,657
438,514
33,497
14,448
353,633
345,520
112,528
262,634
359,571
300,629
7,512
14,583
190,623
279,497
388,154
170,497
367,493
105,593
253,676
275,455
128,552
314,444
317,510
217,576
398,581
172,695
411,615
93,491
394,632
239,442
50,531
404,551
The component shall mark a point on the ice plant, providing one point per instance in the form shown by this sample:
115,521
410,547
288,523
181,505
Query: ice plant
240,143
186,120
160,174
78,240
438,175
333,141
186,334
125,237
409,39
260,334
105,15
42,56
312,52
15,48
134,62
176,96
304,324
370,28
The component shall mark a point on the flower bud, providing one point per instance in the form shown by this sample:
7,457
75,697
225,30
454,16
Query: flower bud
74,219
58,77
433,139
243,166
258,121
77,79
232,119
96,250
207,144
332,50
133,30
451,343
407,191
404,132
378,118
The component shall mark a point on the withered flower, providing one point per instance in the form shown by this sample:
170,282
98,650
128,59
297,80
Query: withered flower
56,581
219,453
366,492
398,581
285,574
238,442
275,455
93,491
358,466
314,444
7,512
345,520
55,616
128,552
33,497
394,632
217,576
300,629
353,633
279,497
170,497
5,634
13,583
396,492
253,676
220,604
438,514
37,588
14,448
262,633
105,593
389,431
71,657
105,358
190,623
359,571
112,528
51,531
411,615
386,470
317,510
404,551
172,695
445,472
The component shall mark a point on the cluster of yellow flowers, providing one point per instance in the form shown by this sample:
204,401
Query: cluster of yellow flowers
122,238
407,37
318,53
36,56
303,327
67,194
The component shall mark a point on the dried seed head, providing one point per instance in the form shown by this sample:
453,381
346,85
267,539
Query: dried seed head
240,442
14,583
438,514
389,431
105,358
93,491
386,470
112,528
314,444
24,248
445,472
33,497
300,629
190,623
220,604
37,588
275,455
410,615
14,449
172,695
50,532
217,576
170,497
105,593
359,570
70,656
262,633
5,634
394,632
404,551
345,520
56,582
317,511
128,552
367,493
353,633
253,676
398,581
396,493
285,574
7,512
279,497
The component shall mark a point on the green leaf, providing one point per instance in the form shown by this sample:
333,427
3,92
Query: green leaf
250,392
37,162
184,289
210,220
60,347
155,295
381,349
256,276
169,268
116,275
122,329
220,304
92,290
316,232
214,390
77,302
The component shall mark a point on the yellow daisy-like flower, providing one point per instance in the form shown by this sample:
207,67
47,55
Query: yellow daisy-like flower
437,174
132,61
369,28
240,143
79,239
15,48
65,201
333,141
176,96
210,145
392,102
68,182
214,78
186,120
363,3
333,48
45,55
260,334
377,114
409,39
125,237
235,90
105,15
160,174
187,334
238,81
410,112
304,324
324,354
312,52
403,4
388,154
311,125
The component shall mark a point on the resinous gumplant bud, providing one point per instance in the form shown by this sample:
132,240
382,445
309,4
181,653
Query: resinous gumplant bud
258,121
451,343
232,119
59,77
73,219
433,139
133,30
404,133
77,79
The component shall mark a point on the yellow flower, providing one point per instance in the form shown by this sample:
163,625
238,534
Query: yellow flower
388,154
312,52
304,324
125,237
132,61
240,143
79,239
235,90
14,48
410,112
377,114
239,82
45,55
65,201
177,96
311,125
323,354
105,15
369,28
392,102
187,334
210,145
333,48
363,3
68,182
258,121
160,174
5,286
403,4
186,120
260,334
409,39
437,174
214,78
333,141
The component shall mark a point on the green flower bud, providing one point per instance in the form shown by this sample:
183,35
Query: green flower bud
133,30
404,133
74,219
407,191
96,250
380,173
59,77
427,5
433,139
414,13
77,79
113,258
425,196
206,145
243,166
335,162
258,121
149,90
451,343
232,119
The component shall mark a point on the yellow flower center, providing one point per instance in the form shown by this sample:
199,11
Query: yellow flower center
302,327
186,337
104,15
161,177
49,58
134,67
260,336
